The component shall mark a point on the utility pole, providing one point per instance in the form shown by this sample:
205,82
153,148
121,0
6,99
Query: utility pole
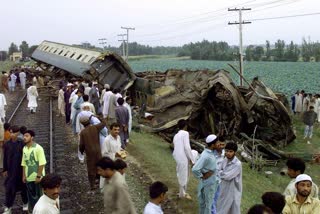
123,44
127,28
103,42
240,23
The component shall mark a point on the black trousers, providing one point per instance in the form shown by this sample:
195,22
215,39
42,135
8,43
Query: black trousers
11,191
34,192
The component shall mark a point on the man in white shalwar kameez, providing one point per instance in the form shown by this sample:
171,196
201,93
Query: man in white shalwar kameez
182,155
22,77
230,173
12,81
72,100
61,103
3,103
106,103
298,105
127,105
32,95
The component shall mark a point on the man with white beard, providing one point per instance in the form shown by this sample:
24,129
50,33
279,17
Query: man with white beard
182,155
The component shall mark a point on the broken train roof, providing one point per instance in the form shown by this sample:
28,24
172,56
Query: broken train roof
212,103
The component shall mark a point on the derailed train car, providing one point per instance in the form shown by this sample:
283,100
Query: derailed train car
209,100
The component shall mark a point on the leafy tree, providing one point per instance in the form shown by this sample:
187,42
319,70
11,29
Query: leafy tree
249,53
24,48
292,52
279,50
32,48
13,48
258,53
268,51
3,55
306,50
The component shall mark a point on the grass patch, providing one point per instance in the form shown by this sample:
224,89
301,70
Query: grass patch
6,65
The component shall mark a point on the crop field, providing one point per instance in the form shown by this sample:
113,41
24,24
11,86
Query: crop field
285,77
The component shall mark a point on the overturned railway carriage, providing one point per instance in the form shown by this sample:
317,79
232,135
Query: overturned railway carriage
209,100
66,60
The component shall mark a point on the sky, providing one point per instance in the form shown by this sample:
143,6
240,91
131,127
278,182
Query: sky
156,22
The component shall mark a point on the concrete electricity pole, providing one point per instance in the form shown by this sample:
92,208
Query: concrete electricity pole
123,44
127,28
240,23
103,42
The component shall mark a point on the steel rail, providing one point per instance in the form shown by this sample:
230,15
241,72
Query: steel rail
16,109
51,137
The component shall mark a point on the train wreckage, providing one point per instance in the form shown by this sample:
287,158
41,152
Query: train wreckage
209,100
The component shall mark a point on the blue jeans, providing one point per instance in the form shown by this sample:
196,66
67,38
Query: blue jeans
308,130
215,200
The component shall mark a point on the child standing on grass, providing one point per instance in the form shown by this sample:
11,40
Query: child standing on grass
309,118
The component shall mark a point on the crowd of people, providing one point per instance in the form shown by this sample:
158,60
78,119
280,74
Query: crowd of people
220,179
308,107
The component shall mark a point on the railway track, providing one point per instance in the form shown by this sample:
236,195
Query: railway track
50,134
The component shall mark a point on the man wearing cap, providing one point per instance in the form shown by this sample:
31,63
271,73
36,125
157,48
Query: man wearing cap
90,143
12,170
205,169
182,155
230,173
296,166
302,202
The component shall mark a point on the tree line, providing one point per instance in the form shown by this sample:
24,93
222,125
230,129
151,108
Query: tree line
205,50
23,47
279,51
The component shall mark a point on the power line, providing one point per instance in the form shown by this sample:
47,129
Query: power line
128,29
285,17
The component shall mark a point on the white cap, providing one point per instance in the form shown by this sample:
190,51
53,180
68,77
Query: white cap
211,138
69,84
303,177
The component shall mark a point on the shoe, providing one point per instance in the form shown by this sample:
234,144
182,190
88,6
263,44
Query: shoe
187,196
304,137
25,207
308,142
82,161
7,210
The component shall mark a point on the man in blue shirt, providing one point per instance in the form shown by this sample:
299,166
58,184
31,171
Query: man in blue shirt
205,169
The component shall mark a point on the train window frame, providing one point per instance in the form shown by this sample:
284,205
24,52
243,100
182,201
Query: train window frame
46,48
82,60
78,58
66,53
72,55
91,60
56,51
60,53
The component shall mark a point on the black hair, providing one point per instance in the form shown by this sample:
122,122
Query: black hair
50,181
311,107
6,126
231,146
114,125
274,200
90,84
31,132
85,98
120,164
120,101
156,189
128,98
221,138
260,209
14,129
296,164
106,163
23,129
182,124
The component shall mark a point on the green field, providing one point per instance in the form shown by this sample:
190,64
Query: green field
286,77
